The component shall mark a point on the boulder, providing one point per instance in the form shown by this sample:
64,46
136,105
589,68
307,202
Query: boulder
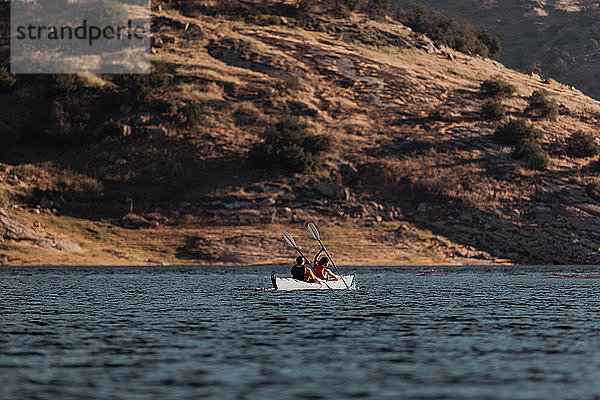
332,190
236,205
15,230
57,245
249,211
267,202
275,189
153,132
248,215
134,221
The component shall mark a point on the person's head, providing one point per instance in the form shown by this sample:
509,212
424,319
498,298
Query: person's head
299,260
323,261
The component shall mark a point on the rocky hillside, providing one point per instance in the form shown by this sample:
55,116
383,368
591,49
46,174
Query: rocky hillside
381,139
561,36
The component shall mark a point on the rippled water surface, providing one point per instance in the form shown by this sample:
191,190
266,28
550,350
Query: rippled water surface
194,332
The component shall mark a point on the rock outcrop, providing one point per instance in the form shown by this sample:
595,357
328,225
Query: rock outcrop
12,229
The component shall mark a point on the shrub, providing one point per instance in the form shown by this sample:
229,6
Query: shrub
165,107
289,144
192,114
64,83
593,189
112,127
594,167
142,87
533,68
245,48
515,131
7,80
582,145
488,43
452,32
289,85
376,8
496,88
532,154
351,5
493,110
268,20
440,114
245,115
541,106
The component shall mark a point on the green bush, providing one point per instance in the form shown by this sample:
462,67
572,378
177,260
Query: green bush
7,80
289,144
582,145
288,85
350,5
192,114
488,45
452,32
533,68
64,83
532,154
541,106
496,88
493,111
515,131
142,87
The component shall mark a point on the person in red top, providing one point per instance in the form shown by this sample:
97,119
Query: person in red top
321,270
303,273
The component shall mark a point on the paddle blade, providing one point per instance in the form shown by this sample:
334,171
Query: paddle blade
289,239
314,231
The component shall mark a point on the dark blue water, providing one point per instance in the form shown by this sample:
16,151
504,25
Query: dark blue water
194,333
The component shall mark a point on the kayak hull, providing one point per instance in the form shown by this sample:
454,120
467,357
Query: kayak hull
294,284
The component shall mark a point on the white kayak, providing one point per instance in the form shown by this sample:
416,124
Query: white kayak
294,284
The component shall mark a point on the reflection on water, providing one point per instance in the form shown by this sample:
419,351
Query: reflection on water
189,333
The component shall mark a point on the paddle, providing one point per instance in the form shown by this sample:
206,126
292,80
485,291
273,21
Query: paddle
315,234
290,240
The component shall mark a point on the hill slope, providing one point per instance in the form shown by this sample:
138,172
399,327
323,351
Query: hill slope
561,36
414,175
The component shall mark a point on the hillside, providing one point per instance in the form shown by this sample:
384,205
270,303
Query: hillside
161,169
561,36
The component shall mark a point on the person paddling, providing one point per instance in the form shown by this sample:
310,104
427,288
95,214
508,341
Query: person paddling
302,273
321,270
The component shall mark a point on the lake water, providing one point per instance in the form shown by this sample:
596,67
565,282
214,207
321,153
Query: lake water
196,332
